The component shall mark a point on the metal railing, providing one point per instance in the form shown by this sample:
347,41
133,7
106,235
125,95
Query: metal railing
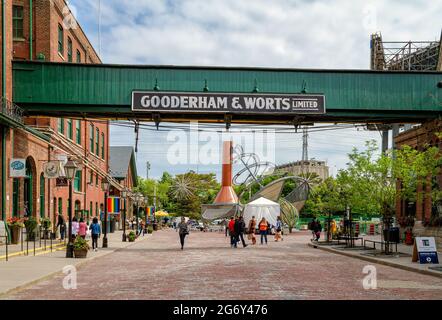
11,110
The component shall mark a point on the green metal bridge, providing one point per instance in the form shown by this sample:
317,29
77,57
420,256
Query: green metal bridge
104,91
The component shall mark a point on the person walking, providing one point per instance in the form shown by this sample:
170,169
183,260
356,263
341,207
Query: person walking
317,230
278,230
225,224
75,227
82,228
95,233
240,227
62,224
312,228
231,227
251,230
263,226
183,231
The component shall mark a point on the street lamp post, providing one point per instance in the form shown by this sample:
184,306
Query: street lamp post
105,188
70,170
124,196
146,203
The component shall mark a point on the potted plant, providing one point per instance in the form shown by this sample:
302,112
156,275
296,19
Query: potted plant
15,224
46,225
131,236
149,229
81,247
30,225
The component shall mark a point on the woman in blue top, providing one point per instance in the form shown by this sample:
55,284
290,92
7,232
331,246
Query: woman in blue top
278,229
95,232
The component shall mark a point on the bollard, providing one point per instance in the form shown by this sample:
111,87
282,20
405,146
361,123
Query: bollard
51,242
34,245
27,244
21,240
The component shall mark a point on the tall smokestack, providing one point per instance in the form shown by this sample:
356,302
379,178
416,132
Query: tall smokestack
226,194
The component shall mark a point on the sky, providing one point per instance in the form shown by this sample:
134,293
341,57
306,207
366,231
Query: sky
331,34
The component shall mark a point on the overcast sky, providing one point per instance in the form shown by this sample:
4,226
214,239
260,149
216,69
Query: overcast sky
281,33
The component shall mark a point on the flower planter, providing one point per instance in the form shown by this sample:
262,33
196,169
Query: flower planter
15,234
131,239
80,253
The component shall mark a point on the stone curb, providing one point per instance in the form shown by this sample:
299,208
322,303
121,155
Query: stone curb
378,261
55,273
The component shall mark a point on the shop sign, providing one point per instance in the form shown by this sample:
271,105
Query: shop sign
17,168
425,250
151,101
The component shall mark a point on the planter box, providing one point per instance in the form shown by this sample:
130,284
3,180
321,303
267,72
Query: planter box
131,240
80,253
15,235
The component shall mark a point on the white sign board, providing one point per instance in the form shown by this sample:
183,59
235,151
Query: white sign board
17,168
425,250
3,232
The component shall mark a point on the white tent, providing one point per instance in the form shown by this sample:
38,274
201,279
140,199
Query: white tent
260,208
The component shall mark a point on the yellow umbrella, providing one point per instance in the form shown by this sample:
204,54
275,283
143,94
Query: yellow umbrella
161,213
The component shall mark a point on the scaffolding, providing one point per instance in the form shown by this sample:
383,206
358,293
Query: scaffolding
405,56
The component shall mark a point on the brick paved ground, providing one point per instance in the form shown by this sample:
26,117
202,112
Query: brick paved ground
209,269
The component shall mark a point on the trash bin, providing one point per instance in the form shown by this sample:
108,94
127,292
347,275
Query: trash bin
393,233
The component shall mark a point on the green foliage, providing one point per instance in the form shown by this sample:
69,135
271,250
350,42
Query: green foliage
30,225
46,223
80,244
131,236
149,229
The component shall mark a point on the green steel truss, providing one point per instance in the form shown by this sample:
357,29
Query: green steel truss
104,91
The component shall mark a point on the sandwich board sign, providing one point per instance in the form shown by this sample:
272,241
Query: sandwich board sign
424,250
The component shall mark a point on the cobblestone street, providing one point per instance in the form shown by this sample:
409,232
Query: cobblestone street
209,269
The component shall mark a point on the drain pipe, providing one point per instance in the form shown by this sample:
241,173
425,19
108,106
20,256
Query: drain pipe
4,97
31,26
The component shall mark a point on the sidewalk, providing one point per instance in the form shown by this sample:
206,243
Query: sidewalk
22,271
401,259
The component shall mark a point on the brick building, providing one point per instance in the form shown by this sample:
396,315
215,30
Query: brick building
419,137
48,31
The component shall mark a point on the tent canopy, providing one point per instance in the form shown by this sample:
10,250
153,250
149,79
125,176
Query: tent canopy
161,213
262,208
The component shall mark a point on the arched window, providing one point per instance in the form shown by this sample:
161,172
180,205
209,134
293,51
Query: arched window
60,205
29,188
42,195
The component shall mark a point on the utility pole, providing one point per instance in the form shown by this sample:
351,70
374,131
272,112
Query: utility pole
147,169
304,149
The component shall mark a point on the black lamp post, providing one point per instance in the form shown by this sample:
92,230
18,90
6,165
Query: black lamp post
124,196
146,204
70,170
138,198
105,188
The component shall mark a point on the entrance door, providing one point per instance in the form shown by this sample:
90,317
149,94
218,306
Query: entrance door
15,196
28,183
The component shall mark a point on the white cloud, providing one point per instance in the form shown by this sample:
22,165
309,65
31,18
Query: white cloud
278,33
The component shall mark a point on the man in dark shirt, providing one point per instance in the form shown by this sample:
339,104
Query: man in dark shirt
240,227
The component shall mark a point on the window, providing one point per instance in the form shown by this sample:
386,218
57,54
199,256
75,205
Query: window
70,129
60,39
60,205
96,180
77,181
42,195
89,214
78,56
97,143
91,138
102,145
61,125
17,21
78,131
69,50
91,179
96,209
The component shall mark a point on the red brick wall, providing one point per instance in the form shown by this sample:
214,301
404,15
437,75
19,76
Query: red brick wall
47,15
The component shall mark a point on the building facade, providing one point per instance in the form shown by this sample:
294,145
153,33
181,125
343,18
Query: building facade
46,30
301,167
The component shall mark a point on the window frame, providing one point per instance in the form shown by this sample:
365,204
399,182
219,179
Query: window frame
78,59
91,138
70,47
17,20
60,125
70,129
97,142
60,40
102,145
78,131
77,181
